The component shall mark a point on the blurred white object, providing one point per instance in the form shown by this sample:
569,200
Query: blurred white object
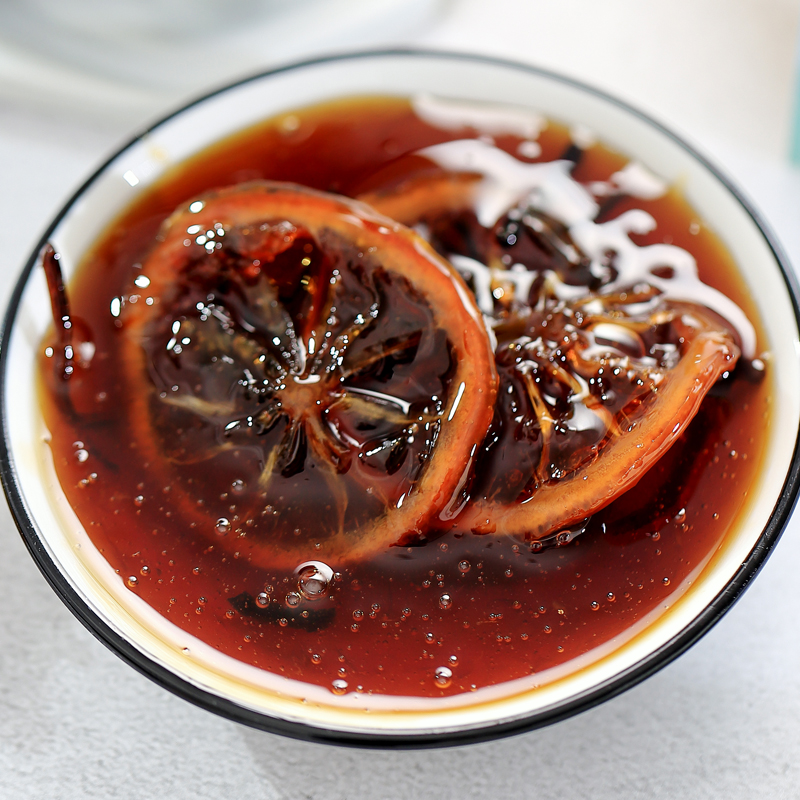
142,54
54,24
714,69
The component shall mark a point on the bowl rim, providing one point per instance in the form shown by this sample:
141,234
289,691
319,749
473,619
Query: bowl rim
622,681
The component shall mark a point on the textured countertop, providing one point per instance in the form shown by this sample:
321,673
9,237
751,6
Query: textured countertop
720,722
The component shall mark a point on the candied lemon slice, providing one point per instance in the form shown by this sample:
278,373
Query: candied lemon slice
589,400
308,377
605,349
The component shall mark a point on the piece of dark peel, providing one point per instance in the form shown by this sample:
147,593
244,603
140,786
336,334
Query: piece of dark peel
59,306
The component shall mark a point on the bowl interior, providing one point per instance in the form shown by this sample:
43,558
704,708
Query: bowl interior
68,554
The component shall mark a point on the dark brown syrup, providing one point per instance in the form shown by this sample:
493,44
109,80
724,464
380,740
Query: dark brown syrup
460,611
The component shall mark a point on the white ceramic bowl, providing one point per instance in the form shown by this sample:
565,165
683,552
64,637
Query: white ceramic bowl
97,596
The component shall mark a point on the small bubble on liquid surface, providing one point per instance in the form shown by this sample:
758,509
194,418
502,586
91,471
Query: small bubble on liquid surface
238,486
293,599
339,686
81,455
665,581
223,526
445,601
313,579
464,566
88,480
133,581
443,676
594,605
138,500
262,599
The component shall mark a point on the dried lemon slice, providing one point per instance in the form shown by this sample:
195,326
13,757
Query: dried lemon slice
605,349
590,398
308,376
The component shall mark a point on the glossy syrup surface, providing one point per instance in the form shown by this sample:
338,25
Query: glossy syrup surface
461,611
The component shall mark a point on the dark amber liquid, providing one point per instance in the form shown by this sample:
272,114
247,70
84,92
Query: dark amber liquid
487,607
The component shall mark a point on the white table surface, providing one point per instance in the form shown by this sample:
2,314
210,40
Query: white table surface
723,721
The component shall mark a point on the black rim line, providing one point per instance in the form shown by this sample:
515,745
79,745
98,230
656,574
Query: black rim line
653,662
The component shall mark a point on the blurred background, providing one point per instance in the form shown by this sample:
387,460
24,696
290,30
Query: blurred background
78,78
718,67
714,67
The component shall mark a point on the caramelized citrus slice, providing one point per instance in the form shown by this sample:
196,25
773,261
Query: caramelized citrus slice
317,361
600,371
589,400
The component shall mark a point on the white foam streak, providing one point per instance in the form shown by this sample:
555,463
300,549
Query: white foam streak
453,115
550,189
481,280
635,264
637,181
506,182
